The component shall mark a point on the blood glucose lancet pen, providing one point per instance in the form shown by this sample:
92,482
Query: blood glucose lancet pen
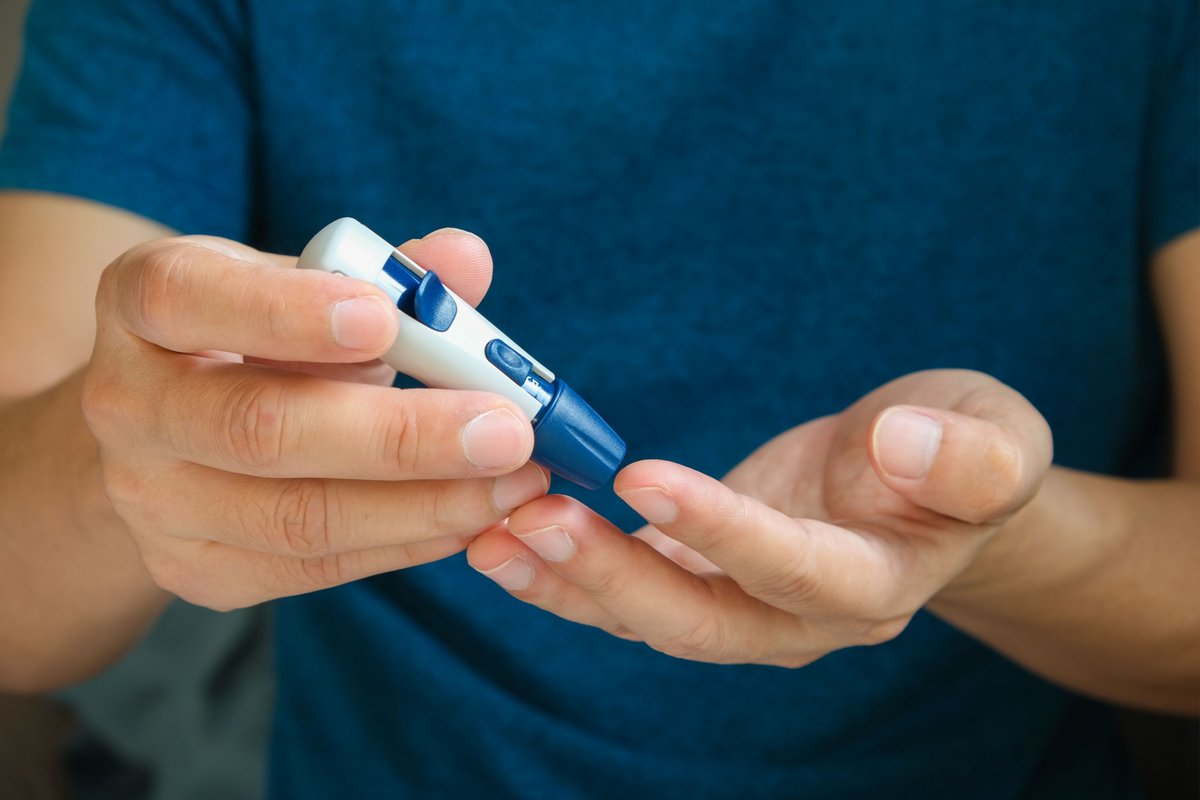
445,343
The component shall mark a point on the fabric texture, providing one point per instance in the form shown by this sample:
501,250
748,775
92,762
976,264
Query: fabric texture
716,221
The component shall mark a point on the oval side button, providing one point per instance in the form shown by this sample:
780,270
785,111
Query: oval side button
509,361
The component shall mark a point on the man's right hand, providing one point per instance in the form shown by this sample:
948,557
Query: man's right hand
245,464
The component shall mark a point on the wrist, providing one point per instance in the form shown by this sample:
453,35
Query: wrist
1073,522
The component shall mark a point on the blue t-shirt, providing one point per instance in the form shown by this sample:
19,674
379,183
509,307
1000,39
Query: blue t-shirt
716,220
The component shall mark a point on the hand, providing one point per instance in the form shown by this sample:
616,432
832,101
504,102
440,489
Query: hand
831,535
248,436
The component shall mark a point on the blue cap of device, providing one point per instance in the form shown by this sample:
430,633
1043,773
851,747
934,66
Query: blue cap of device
569,437
572,440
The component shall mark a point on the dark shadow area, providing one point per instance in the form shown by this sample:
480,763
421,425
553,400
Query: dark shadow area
1166,752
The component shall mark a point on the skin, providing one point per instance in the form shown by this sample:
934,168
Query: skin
216,376
219,444
836,532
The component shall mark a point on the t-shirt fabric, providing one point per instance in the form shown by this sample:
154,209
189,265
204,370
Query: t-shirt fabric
716,220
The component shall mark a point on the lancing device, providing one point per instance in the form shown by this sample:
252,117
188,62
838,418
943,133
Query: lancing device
445,343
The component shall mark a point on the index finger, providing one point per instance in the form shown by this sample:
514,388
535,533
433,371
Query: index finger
187,295
706,618
804,566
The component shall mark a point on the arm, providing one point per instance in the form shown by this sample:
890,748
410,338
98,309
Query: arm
934,490
1094,584
74,593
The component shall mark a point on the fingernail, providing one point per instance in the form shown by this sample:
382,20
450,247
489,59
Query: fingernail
495,439
518,488
552,544
906,443
363,323
652,502
514,575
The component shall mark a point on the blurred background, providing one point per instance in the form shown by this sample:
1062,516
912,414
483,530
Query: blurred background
12,13
31,730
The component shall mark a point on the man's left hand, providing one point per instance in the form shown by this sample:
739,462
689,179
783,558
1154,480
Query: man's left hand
831,535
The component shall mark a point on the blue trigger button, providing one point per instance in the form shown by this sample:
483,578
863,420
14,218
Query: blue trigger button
509,361
432,304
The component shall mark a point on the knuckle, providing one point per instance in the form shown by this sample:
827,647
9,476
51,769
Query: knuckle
166,573
274,308
455,508
125,488
729,515
223,604
177,576
882,631
790,660
95,401
787,583
100,402
622,632
704,640
553,596
319,572
606,583
118,275
732,507
178,572
162,269
301,521
106,288
253,425
275,576
439,513
400,439
154,559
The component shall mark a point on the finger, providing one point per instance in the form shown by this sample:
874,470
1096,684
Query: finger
312,517
461,260
678,552
979,466
224,577
516,568
805,567
672,610
241,252
186,296
259,421
373,372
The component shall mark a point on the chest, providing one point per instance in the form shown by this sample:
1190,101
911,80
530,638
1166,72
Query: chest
722,219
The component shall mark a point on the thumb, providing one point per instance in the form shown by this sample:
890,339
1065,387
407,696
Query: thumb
461,259
974,468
